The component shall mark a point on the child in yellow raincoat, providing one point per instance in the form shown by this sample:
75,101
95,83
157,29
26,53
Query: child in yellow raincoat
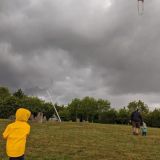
16,134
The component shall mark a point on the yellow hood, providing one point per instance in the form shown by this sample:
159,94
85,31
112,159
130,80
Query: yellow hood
22,114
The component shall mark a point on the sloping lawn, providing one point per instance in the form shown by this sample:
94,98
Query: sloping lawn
87,141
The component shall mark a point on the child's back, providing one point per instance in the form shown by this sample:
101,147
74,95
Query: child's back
144,129
16,134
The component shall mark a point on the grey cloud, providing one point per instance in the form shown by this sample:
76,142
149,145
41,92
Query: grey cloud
77,48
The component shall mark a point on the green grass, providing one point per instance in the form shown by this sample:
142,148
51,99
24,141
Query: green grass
87,141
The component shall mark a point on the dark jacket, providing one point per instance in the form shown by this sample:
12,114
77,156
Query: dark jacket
136,117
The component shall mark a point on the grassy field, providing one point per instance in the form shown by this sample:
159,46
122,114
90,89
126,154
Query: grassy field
87,141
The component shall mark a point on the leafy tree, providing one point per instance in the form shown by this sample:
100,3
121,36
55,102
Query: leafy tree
142,107
19,93
132,106
89,108
102,106
123,116
65,114
48,110
34,104
8,107
153,118
109,117
4,92
75,109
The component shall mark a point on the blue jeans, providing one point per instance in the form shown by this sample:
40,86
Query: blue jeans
17,158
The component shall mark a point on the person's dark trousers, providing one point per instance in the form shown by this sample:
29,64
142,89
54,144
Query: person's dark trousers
144,134
17,158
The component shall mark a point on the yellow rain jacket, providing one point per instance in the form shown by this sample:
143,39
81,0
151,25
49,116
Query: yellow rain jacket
16,133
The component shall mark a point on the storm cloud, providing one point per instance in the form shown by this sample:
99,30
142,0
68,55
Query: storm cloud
81,48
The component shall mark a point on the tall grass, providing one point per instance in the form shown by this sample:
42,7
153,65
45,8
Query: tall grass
87,141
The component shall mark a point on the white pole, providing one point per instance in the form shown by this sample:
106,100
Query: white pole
54,106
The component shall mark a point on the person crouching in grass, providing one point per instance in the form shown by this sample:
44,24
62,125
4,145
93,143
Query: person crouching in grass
16,134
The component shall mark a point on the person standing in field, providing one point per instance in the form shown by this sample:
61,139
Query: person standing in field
136,120
16,134
144,129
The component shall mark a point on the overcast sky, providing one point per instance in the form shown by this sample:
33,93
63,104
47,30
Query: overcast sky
77,48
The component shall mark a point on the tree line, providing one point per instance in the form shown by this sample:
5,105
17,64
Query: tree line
85,109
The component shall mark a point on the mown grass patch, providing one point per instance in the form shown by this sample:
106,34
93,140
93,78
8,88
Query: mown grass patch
87,141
